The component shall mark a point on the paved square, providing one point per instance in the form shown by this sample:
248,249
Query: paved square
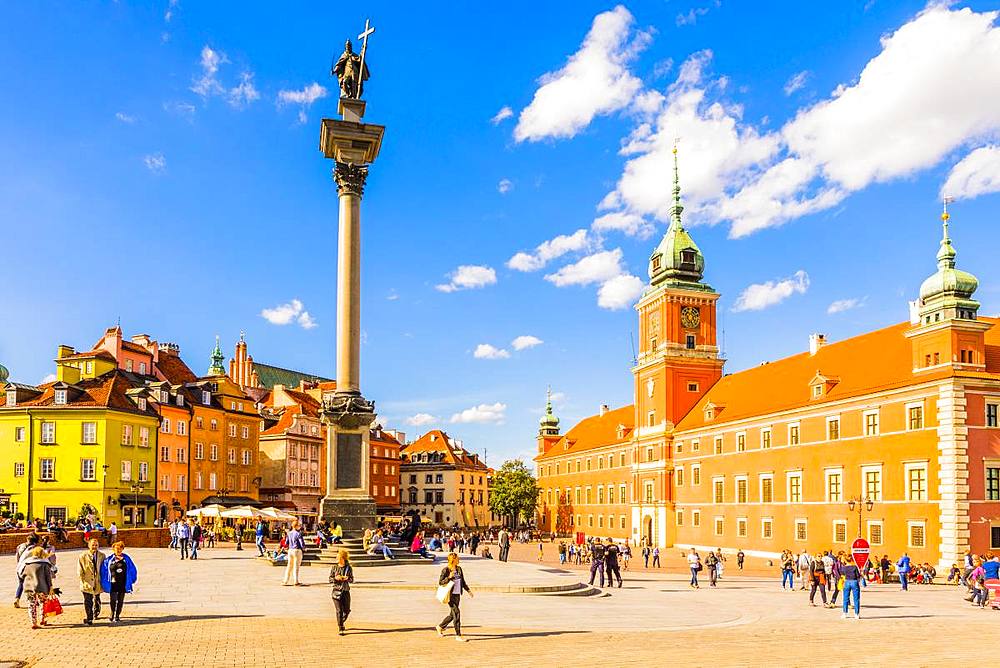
228,609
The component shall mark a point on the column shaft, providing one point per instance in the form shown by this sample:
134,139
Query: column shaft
349,293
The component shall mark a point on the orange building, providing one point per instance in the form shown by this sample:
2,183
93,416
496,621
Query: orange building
384,462
902,421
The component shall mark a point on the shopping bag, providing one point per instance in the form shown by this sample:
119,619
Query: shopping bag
444,593
52,607
840,583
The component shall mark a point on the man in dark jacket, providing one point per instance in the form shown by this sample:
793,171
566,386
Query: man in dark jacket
611,552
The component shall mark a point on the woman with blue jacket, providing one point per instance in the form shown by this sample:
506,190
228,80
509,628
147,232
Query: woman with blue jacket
118,575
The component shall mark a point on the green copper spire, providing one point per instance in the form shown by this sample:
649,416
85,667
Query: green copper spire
947,281
4,375
677,261
549,424
217,359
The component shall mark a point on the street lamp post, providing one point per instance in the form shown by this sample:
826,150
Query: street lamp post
136,489
862,505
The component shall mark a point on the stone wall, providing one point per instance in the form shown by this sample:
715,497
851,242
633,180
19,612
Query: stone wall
131,537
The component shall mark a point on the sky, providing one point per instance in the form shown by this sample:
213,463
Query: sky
159,164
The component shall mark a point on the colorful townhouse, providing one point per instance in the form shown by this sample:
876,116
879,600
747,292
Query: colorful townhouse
445,482
891,435
83,441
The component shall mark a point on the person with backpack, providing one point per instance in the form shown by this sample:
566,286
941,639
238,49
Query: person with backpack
694,563
711,562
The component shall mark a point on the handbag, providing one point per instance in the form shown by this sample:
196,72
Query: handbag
444,593
840,583
52,607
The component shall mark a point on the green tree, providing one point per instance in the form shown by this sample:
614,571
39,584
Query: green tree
514,493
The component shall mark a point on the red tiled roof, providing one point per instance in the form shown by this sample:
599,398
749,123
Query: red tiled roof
871,362
438,441
107,391
135,348
175,370
96,354
594,432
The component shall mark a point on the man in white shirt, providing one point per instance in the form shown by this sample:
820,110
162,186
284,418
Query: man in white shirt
804,562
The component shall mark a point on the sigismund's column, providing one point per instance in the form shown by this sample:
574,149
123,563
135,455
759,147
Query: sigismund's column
353,146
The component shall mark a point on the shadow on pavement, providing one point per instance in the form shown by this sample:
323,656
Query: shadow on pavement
166,619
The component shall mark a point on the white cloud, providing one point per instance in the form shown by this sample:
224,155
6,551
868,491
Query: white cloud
304,98
468,277
594,81
285,314
483,413
797,82
505,186
184,109
169,13
502,115
525,341
596,268
421,419
155,162
691,17
841,305
620,292
547,251
976,174
208,83
50,378
934,87
243,93
762,295
485,351
125,118
631,224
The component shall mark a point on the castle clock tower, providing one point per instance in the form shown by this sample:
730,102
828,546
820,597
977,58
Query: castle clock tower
678,362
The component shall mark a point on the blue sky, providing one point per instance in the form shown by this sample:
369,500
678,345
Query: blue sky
159,163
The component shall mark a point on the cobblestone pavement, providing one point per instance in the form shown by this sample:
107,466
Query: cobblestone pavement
228,609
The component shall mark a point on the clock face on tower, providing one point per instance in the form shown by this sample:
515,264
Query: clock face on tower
690,317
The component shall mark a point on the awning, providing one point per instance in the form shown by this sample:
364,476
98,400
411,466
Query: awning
126,499
231,501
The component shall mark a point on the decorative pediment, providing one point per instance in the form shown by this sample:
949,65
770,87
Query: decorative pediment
712,410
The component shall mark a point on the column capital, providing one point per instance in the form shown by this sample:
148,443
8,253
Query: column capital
350,178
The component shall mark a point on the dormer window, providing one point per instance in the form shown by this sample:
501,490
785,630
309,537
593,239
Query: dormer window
687,257
206,397
656,262
709,413
60,397
180,400
11,398
817,390
164,397
141,401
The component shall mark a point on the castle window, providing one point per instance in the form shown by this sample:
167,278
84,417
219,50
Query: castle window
687,257
817,390
656,262
991,415
689,342
692,387
651,419
915,417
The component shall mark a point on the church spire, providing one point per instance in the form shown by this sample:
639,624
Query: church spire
677,261
677,208
549,424
216,369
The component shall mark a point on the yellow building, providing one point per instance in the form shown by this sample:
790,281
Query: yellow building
86,438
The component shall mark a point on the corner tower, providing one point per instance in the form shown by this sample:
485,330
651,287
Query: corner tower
947,331
548,426
678,355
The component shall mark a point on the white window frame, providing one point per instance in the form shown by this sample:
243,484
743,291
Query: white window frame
827,472
60,398
798,435
165,425
767,527
127,434
906,415
865,470
695,445
736,487
769,440
679,515
126,474
143,471
696,517
910,524
760,486
144,437
19,433
864,422
833,418
90,439
868,528
48,433
742,527
719,525
839,523
795,527
42,467
916,466
719,482
741,441
181,428
788,486
679,476
84,471
18,469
